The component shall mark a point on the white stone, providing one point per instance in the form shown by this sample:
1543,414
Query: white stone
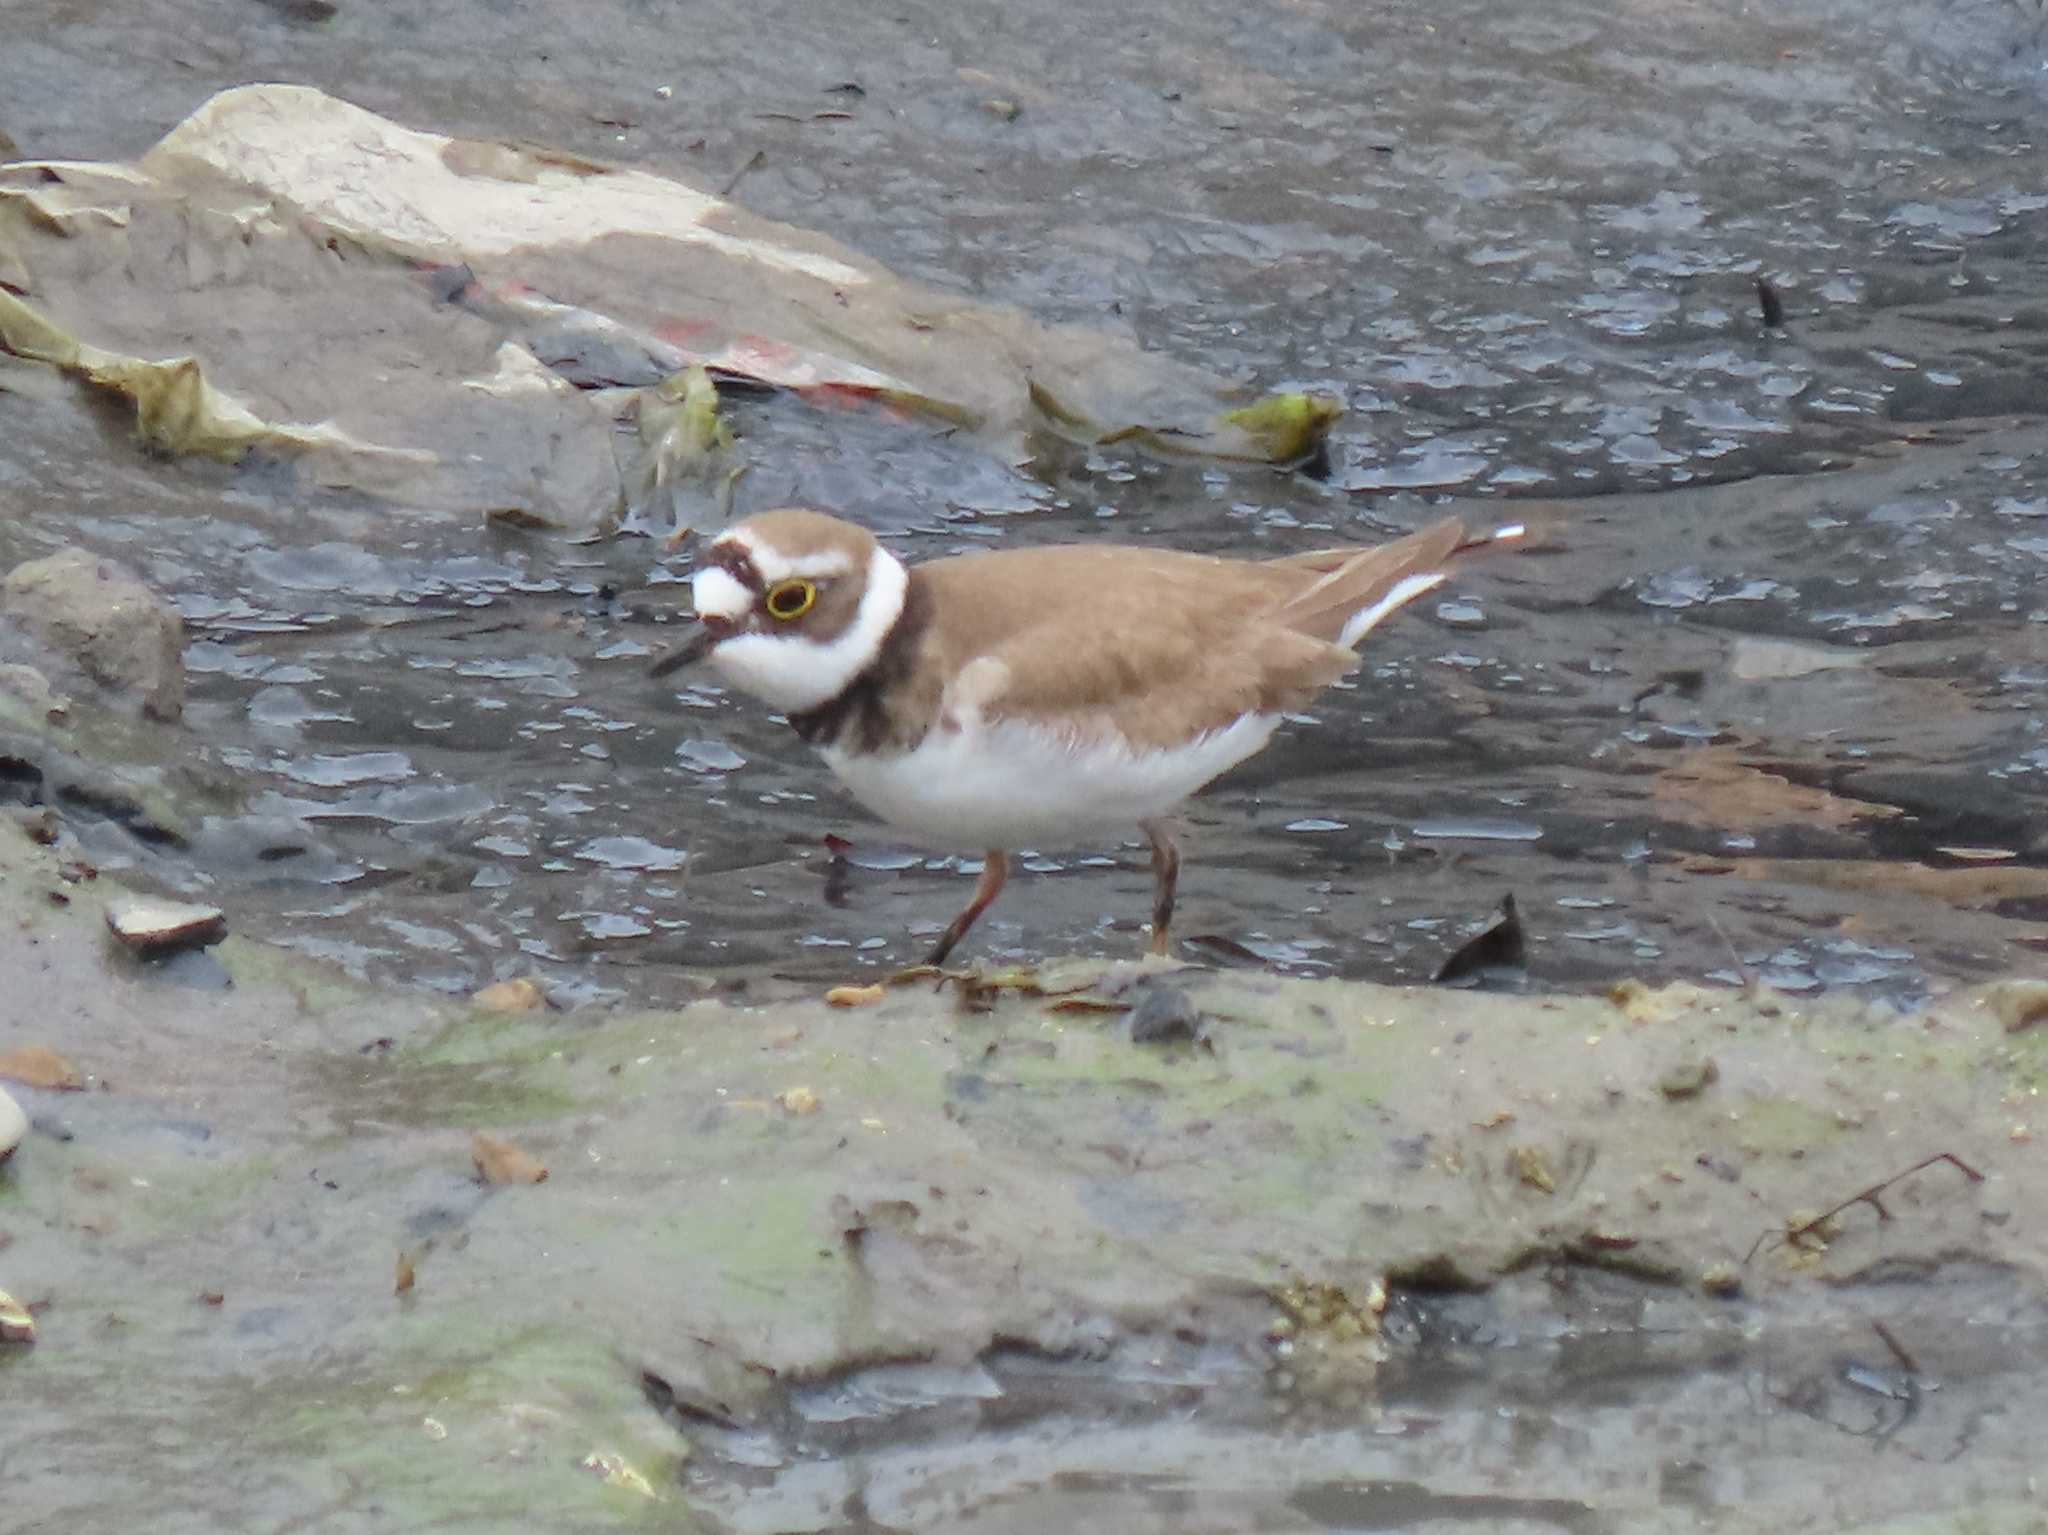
13,1125
16,1325
150,926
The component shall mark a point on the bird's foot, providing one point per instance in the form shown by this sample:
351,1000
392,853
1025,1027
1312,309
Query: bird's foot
973,977
979,985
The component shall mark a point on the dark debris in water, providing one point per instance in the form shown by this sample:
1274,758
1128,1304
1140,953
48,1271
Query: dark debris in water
1502,945
1770,304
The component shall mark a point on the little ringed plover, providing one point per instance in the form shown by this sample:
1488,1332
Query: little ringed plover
1030,697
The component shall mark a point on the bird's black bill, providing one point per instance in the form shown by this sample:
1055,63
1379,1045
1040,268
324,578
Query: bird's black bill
691,650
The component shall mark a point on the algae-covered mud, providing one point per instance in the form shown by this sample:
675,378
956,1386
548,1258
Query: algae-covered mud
1729,1219
1351,1257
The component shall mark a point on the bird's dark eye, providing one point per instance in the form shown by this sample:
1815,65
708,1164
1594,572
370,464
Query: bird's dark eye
789,600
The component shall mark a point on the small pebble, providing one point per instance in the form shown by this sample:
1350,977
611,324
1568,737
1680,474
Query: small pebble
16,1325
1689,1078
149,926
1163,1014
798,1100
39,825
2019,1003
499,1161
514,996
1721,1279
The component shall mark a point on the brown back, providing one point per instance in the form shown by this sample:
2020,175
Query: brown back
1153,645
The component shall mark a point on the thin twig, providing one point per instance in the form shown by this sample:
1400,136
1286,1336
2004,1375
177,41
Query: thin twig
1867,1196
753,161
1891,1341
1749,978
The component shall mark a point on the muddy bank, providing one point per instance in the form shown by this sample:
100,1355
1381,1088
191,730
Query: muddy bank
1000,1264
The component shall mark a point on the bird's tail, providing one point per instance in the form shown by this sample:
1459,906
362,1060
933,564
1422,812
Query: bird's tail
1359,589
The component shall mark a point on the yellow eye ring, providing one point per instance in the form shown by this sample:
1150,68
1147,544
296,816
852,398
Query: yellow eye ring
789,600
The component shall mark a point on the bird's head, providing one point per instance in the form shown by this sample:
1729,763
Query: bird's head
792,605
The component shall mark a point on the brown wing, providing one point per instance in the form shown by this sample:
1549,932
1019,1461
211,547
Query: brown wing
1155,645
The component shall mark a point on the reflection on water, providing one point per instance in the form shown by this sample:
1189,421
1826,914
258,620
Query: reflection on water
1485,1417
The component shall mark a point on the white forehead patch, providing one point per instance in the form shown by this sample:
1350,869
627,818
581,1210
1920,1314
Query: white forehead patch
718,594
773,565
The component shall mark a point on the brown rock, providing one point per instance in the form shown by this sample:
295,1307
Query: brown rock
499,1161
124,636
855,996
2019,1003
515,996
40,1066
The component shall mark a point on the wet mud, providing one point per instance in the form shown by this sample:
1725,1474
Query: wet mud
1355,1257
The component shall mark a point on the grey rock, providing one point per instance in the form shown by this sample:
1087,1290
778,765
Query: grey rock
100,615
1165,1014
1689,1078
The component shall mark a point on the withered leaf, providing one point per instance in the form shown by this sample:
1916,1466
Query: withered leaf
40,1066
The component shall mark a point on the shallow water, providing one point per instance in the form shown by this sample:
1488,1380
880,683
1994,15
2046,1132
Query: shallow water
1521,248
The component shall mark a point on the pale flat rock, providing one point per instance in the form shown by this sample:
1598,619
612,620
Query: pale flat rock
13,1125
235,302
151,926
1755,659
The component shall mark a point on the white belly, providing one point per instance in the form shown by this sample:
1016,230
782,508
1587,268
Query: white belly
1009,785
